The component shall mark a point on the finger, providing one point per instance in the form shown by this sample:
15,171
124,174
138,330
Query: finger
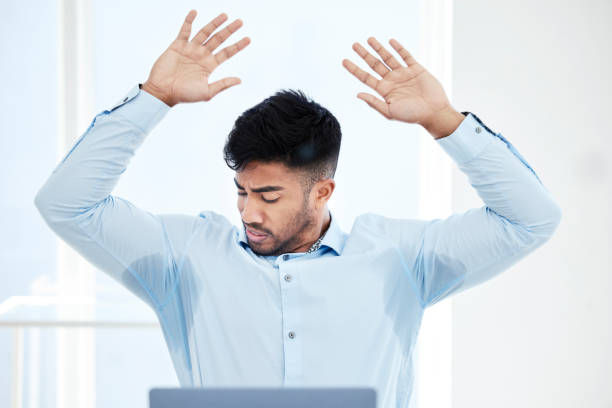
222,35
374,63
377,104
186,27
230,50
209,28
222,85
406,56
384,54
360,74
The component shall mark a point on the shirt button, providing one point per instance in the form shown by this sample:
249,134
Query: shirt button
291,334
288,278
478,129
285,257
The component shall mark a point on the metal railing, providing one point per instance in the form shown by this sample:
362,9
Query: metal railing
19,313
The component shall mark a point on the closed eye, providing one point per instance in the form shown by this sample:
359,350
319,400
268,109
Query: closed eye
264,200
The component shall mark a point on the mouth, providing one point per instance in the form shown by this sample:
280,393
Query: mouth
255,236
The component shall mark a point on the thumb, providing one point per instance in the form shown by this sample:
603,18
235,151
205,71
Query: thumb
374,102
222,85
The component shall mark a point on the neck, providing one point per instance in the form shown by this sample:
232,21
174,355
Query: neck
320,229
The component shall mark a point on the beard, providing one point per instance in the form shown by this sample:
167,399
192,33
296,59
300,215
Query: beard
293,233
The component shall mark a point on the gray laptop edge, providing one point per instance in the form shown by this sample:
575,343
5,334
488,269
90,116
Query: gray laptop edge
285,397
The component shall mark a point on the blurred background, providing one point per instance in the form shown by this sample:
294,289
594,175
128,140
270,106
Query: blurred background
537,72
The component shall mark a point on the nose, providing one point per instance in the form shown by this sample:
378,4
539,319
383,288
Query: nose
251,213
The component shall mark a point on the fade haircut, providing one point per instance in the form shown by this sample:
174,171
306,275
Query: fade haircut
287,128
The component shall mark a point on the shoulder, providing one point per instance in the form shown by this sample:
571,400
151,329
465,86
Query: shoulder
395,228
214,222
404,234
182,227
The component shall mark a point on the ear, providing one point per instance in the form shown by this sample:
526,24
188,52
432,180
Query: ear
322,191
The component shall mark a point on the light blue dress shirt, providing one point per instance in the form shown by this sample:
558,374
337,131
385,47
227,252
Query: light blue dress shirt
347,314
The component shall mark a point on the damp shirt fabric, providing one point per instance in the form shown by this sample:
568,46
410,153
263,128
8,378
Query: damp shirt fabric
346,315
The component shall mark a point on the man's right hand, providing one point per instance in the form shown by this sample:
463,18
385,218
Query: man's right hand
181,73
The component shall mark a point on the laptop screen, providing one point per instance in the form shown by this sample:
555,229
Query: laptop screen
215,397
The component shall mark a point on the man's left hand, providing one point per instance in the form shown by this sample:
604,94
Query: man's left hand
411,94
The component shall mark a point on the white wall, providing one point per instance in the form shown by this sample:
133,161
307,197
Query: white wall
539,335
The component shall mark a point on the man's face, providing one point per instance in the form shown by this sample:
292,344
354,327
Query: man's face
274,209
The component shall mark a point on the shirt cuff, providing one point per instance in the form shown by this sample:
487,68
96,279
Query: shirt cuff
141,108
467,141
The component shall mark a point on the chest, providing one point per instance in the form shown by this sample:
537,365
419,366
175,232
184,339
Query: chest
359,294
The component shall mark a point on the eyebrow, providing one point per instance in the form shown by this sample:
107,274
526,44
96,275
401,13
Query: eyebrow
264,189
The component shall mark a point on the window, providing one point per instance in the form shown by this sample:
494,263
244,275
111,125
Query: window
77,59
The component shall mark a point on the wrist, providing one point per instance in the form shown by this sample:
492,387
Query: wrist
443,123
156,92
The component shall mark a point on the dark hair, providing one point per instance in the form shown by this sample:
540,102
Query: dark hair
289,128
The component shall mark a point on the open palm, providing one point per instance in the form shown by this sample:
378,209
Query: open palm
411,94
181,73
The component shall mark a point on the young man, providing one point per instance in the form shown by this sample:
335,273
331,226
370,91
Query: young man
288,298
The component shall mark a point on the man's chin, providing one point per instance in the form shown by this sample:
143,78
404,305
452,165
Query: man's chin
262,249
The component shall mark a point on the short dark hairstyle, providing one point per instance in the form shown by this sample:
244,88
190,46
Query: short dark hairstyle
288,128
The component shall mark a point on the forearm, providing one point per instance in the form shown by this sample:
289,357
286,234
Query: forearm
91,169
506,184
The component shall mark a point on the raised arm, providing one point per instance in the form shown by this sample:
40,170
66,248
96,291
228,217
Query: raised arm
446,256
141,250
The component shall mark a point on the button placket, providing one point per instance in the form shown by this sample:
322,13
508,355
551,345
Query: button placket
291,324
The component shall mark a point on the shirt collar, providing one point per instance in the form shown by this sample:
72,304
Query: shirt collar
334,237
